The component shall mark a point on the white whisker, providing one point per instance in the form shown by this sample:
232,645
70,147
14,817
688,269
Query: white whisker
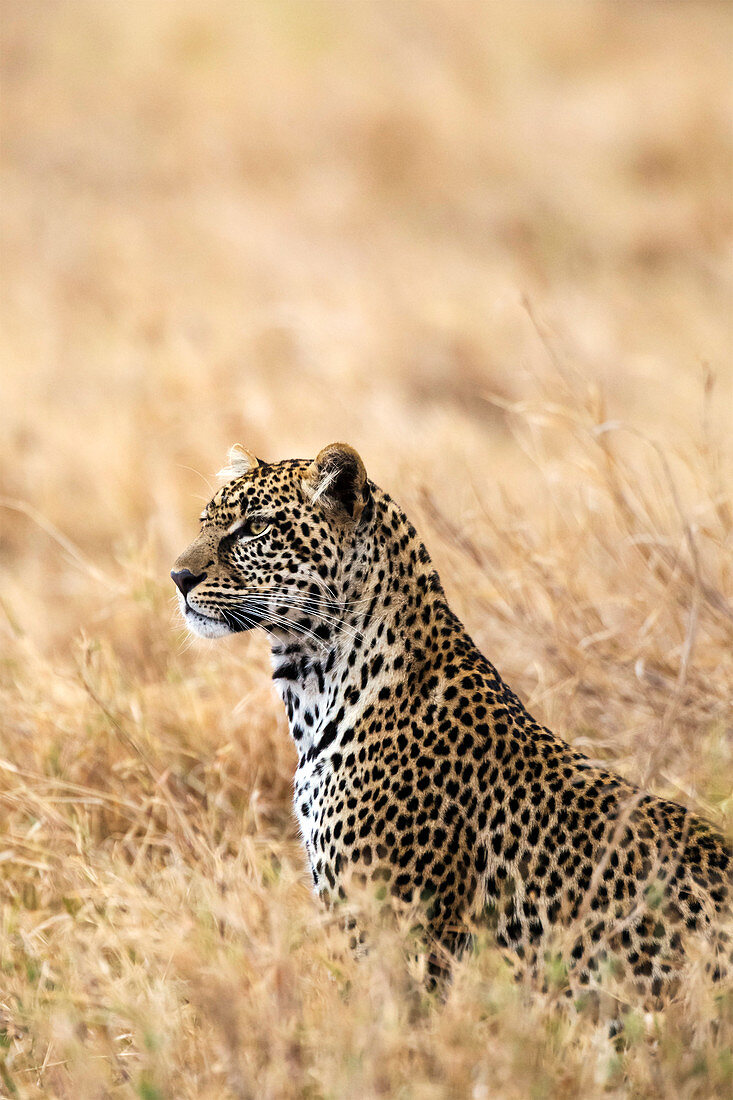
304,608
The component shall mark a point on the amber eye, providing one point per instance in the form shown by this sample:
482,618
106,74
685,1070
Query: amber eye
250,528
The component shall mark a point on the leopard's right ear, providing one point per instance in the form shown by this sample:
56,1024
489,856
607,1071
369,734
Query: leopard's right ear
240,461
338,479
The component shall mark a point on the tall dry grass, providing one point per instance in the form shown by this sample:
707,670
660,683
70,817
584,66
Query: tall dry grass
488,244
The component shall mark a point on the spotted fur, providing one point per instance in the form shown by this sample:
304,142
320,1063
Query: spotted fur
418,767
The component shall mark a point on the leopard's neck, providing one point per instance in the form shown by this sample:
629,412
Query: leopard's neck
370,644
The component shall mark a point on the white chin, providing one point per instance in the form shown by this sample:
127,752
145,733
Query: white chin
202,625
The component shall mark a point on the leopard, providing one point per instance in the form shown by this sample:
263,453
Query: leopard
420,773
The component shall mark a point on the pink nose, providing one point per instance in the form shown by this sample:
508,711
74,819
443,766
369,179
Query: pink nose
186,580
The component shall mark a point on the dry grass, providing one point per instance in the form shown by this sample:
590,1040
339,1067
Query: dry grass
488,245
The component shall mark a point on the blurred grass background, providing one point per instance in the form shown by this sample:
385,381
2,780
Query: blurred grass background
489,244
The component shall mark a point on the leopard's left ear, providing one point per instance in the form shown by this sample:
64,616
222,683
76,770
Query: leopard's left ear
337,478
239,462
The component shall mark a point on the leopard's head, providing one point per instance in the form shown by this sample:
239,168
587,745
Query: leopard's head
276,545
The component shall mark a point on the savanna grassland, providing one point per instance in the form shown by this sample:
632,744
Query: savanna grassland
487,244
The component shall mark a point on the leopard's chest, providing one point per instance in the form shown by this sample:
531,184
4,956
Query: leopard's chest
308,793
325,718
318,806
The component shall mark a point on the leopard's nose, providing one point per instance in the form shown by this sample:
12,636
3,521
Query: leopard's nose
186,580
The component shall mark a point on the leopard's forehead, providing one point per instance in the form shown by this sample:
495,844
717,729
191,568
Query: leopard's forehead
277,484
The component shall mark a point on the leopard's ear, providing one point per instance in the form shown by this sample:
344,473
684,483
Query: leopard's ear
338,479
239,462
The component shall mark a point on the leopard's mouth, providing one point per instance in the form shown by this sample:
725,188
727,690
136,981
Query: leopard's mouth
205,626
